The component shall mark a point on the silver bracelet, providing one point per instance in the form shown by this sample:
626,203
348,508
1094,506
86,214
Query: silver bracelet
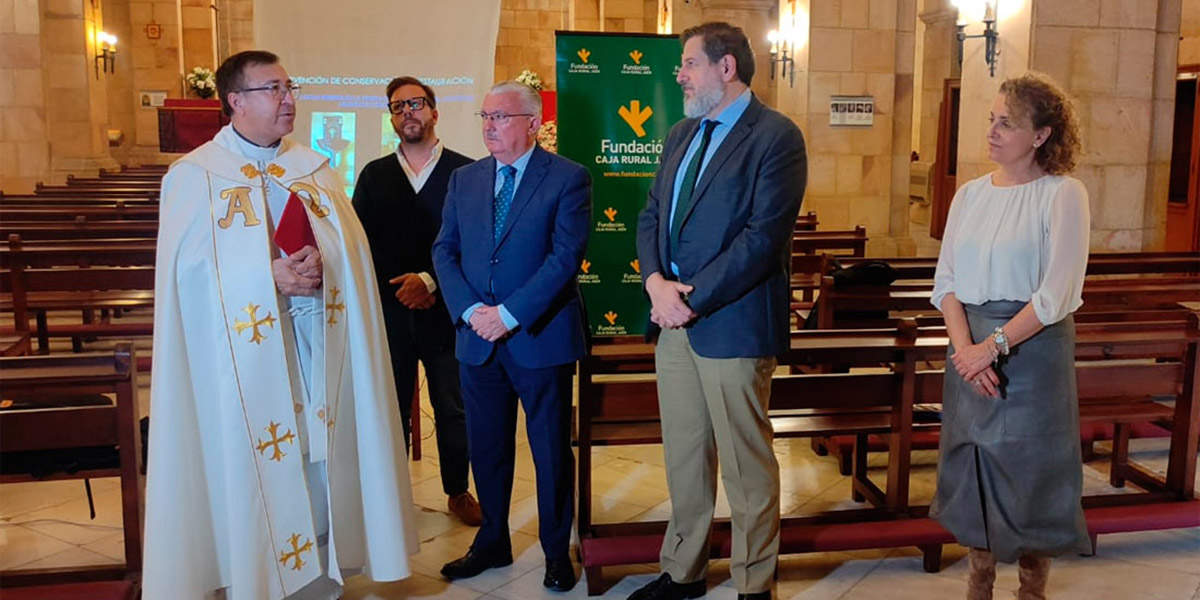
1001,340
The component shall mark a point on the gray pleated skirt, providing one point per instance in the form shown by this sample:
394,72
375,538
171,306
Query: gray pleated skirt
1010,476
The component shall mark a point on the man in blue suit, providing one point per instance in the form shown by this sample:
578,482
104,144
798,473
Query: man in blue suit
514,231
714,242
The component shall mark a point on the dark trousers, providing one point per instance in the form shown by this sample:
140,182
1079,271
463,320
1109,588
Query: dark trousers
491,392
412,337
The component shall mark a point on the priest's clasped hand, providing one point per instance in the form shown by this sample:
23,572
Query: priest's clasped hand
298,274
667,306
487,324
413,293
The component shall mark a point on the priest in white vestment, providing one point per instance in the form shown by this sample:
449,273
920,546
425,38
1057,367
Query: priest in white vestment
277,461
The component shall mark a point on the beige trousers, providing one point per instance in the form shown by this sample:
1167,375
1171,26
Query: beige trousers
718,408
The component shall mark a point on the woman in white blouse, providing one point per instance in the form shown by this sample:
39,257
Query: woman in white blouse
1008,278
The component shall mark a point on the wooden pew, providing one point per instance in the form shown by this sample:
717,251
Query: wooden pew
79,230
619,410
111,183
62,403
1112,294
807,222
812,242
1099,263
97,192
83,277
35,200
122,176
118,211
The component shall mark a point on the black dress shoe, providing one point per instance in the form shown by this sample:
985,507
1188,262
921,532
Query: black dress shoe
475,563
756,596
560,574
665,589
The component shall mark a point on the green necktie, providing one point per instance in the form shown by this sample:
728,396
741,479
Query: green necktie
688,186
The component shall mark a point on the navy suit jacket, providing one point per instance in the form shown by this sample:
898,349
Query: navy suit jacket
530,269
735,242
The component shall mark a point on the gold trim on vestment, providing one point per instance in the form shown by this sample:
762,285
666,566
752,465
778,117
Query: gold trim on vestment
262,494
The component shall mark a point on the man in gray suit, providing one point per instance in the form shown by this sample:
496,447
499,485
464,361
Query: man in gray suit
714,243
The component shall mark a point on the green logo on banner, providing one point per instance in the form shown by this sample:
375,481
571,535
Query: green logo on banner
617,99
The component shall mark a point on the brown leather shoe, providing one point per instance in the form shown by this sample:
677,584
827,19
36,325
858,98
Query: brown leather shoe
465,508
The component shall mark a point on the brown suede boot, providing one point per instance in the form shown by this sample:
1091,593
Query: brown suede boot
1034,572
983,574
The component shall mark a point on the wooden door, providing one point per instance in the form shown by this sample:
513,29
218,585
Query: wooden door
1183,214
945,166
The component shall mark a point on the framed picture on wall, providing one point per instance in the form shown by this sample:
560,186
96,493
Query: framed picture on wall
152,99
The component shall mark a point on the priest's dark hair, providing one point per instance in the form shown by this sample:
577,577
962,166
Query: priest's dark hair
718,39
231,75
406,80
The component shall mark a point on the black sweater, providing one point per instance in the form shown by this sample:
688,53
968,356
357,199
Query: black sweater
401,224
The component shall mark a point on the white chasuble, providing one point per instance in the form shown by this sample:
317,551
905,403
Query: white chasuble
235,420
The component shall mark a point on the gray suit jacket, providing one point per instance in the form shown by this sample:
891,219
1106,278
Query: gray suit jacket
735,242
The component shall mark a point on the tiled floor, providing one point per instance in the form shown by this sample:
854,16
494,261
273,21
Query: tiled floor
47,525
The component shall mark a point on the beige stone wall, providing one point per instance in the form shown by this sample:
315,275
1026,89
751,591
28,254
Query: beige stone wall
1117,59
939,62
123,102
903,92
858,175
1189,45
637,16
236,27
76,98
526,38
197,27
156,67
24,149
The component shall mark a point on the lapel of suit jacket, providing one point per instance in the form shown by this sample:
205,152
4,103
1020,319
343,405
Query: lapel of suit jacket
484,180
738,134
535,172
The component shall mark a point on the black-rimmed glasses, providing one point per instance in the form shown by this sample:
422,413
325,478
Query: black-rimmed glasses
412,104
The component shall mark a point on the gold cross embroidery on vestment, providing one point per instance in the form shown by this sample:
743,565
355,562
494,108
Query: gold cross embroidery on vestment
275,442
257,337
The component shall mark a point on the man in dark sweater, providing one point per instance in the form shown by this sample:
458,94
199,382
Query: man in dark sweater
399,200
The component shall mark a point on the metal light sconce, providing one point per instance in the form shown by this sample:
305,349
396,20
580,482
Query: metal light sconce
782,52
990,35
106,53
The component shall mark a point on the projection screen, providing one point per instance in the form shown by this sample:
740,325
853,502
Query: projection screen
344,53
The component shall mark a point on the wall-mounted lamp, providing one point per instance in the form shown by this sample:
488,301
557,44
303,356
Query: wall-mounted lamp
990,35
782,51
106,53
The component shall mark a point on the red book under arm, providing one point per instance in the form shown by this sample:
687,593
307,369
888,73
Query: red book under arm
294,231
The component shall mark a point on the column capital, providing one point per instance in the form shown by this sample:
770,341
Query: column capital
939,17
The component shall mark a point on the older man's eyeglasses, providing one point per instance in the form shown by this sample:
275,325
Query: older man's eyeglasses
276,89
412,104
500,117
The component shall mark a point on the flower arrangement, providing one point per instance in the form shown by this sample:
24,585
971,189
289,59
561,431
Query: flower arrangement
531,79
202,82
547,136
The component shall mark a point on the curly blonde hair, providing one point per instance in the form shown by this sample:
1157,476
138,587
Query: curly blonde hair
1037,96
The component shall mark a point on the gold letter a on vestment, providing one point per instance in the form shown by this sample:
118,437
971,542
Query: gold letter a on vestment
239,203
